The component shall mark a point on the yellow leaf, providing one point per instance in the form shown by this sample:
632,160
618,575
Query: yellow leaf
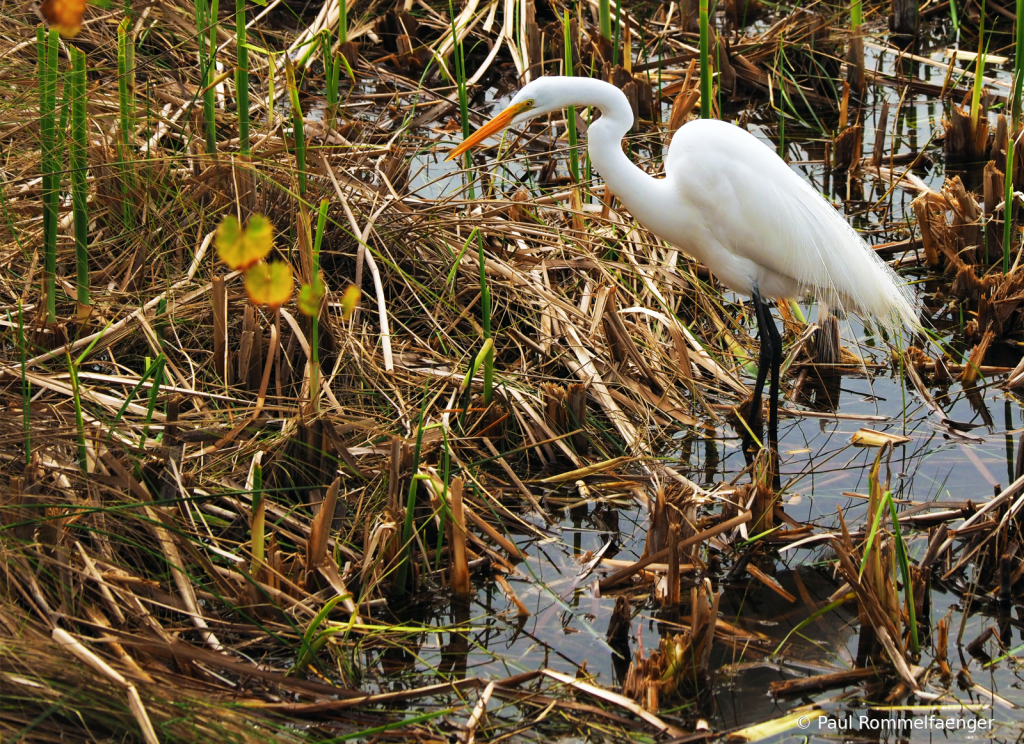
349,300
310,296
259,236
269,284
242,249
872,438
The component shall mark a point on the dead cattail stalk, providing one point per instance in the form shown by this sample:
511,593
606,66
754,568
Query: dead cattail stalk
459,570
879,147
320,529
219,298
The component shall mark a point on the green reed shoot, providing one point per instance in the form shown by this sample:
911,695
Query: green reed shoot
206,16
26,388
332,72
1018,70
485,321
311,641
47,45
78,155
856,14
151,367
126,110
314,320
460,81
83,452
1015,112
574,158
1008,201
618,26
705,63
605,16
979,71
402,574
242,78
73,365
156,371
297,125
904,560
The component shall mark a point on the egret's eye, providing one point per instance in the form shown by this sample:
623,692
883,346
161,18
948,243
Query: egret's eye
528,103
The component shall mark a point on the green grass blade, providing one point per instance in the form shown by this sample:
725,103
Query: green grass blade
83,452
297,125
904,561
78,155
242,79
574,159
705,63
48,44
26,388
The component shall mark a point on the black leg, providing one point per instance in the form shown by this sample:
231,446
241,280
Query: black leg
773,397
763,362
769,362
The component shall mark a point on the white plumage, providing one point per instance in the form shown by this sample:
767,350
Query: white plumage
729,201
752,218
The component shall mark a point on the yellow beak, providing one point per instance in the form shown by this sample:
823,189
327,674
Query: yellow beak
496,124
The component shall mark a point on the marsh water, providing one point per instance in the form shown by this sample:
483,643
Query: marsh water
822,472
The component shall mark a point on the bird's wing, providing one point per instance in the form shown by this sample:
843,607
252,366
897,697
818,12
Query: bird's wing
757,208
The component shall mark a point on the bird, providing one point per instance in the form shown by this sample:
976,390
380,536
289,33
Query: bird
728,200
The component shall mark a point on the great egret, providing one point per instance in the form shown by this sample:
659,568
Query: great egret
730,202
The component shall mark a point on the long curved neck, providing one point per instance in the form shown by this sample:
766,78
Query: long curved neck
604,143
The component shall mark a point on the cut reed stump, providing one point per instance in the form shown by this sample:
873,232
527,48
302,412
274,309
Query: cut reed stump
964,138
846,148
993,183
855,62
903,19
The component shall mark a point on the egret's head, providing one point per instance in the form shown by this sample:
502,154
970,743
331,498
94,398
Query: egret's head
541,96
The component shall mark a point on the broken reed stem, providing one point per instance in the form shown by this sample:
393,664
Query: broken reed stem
257,529
47,45
705,64
79,161
242,78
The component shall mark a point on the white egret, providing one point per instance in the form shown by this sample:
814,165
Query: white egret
731,202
